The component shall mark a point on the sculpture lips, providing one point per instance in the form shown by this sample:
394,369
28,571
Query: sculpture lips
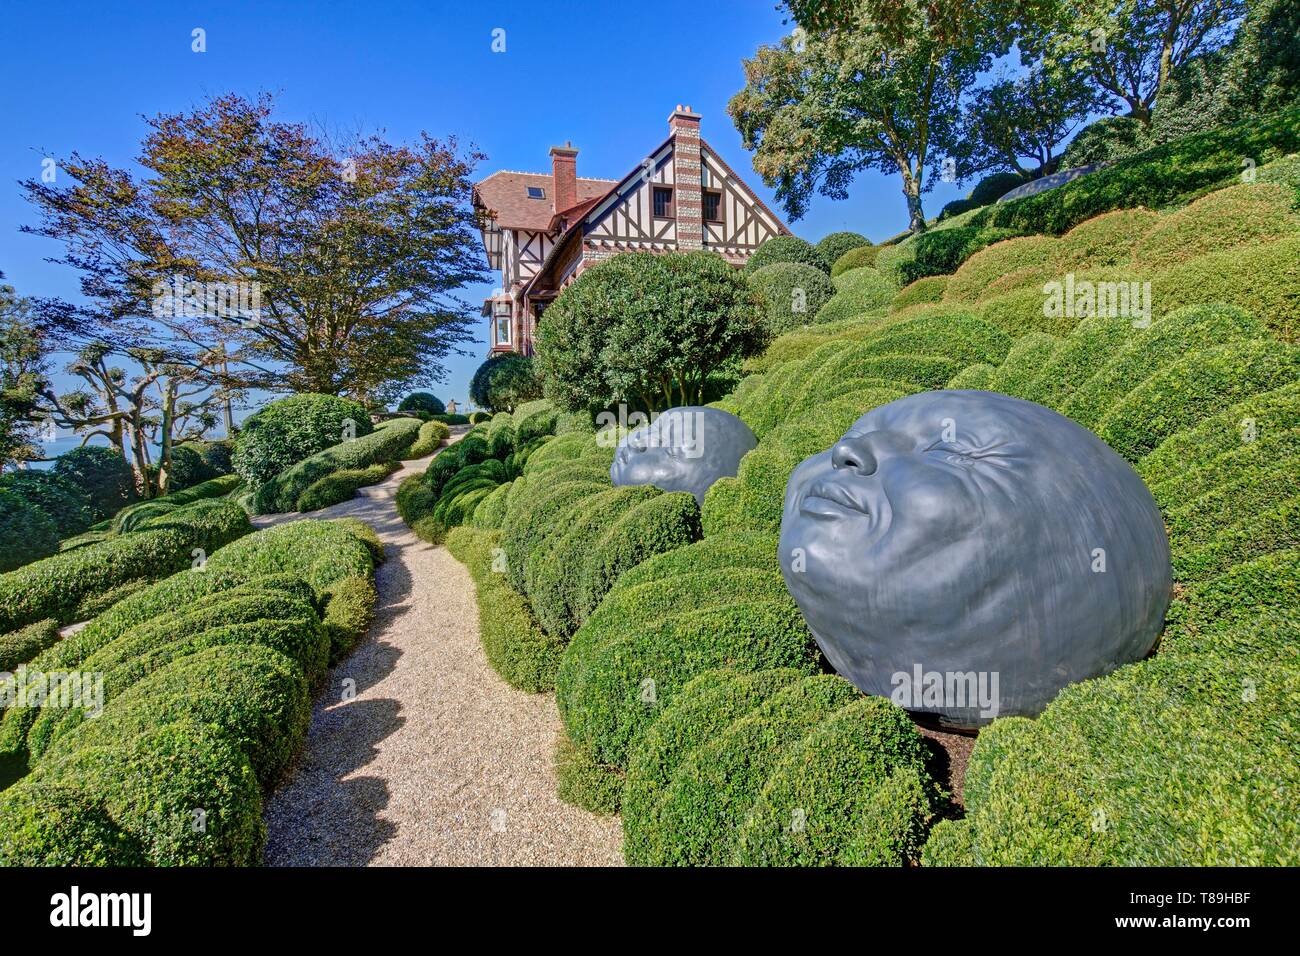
828,498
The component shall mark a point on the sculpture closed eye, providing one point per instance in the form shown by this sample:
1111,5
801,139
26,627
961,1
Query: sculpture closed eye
683,449
976,537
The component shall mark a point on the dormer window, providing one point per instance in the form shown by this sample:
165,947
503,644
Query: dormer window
536,192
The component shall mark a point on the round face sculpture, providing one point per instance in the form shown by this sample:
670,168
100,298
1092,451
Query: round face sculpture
684,449
968,554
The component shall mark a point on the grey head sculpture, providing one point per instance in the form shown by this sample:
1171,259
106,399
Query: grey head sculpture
968,554
683,449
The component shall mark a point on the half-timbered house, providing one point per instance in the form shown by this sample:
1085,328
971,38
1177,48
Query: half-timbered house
541,230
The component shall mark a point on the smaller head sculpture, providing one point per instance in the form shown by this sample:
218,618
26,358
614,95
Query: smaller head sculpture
969,554
683,449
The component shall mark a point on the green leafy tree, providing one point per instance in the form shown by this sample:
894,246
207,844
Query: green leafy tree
316,268
869,86
1127,48
22,369
504,382
647,330
1029,117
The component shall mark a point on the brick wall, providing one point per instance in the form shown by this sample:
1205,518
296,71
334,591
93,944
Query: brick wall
687,172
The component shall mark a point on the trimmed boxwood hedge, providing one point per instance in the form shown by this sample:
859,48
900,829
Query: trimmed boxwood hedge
56,587
431,436
1176,761
1080,354
704,806
1205,473
388,444
1199,385
523,654
134,802
491,511
1105,240
707,706
971,281
858,787
1228,218
582,782
135,516
921,292
602,683
787,249
342,485
1266,413
290,430
20,646
1024,361
859,258
792,294
836,244
977,377
1183,331
859,292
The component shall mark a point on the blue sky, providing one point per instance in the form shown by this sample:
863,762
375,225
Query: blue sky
78,76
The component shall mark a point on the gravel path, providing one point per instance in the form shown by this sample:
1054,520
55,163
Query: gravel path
435,759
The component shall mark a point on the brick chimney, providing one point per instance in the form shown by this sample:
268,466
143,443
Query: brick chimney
684,124
564,177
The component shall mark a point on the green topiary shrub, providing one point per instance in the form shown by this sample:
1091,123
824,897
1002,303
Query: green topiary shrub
787,249
66,505
1182,332
1263,279
491,511
25,643
56,587
102,474
452,420
1080,354
860,291
582,782
837,244
504,382
1197,386
432,434
706,707
705,805
970,283
320,552
922,291
148,788
1177,733
388,444
520,651
1225,219
349,611
292,429
533,519
1105,240
215,457
792,294
425,402
534,419
620,668
27,533
61,826
857,785
136,516
342,485
976,377
1027,357
859,258
941,251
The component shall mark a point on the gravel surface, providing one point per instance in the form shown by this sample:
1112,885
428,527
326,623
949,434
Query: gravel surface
434,759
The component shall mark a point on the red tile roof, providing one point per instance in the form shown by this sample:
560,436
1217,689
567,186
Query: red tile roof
505,194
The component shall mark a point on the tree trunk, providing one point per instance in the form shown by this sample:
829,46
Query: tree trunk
168,420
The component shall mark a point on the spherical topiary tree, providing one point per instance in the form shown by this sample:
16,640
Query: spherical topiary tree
855,259
102,474
787,249
838,243
291,429
504,382
423,402
860,291
62,502
26,533
648,329
792,294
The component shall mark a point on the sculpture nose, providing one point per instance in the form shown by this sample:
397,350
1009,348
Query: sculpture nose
863,453
856,454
